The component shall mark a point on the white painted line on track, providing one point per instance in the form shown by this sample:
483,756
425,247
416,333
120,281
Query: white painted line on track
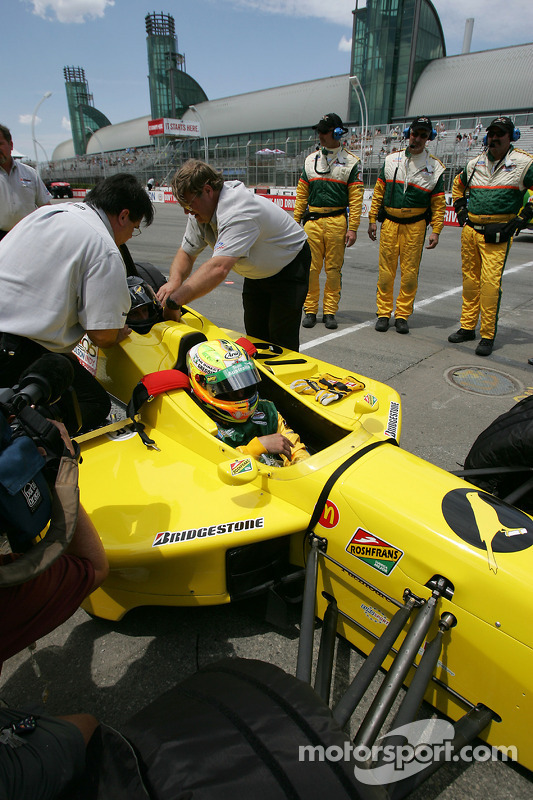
329,337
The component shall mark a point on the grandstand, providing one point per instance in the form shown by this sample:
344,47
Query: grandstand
278,170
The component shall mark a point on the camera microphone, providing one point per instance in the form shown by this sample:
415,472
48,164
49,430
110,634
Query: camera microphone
46,379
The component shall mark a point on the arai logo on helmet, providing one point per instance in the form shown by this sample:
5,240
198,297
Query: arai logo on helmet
231,354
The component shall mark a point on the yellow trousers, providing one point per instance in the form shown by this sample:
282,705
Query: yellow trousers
326,239
483,266
403,243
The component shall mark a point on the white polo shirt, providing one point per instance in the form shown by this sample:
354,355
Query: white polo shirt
62,274
21,192
263,236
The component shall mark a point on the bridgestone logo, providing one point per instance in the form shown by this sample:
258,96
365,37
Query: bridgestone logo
173,537
392,422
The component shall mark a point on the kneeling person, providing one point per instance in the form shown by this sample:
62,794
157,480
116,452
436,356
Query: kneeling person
224,379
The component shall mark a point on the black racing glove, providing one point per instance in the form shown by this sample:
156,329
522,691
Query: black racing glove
461,211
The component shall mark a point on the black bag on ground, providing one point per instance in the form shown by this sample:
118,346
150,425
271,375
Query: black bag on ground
235,730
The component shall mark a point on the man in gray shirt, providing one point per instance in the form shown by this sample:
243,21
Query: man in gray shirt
62,275
21,189
248,234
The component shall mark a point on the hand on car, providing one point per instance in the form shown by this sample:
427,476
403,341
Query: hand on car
277,444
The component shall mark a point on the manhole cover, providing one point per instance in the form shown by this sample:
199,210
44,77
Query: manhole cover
483,381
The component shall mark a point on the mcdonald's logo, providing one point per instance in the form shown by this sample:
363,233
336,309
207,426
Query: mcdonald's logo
330,515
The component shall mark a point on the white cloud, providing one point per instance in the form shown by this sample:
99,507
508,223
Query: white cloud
70,10
493,26
345,45
510,28
25,119
65,124
336,11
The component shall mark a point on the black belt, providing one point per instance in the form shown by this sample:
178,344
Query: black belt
3,233
475,226
320,215
408,220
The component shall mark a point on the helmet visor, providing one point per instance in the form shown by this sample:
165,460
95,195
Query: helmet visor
242,375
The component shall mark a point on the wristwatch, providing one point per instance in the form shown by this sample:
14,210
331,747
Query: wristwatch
172,305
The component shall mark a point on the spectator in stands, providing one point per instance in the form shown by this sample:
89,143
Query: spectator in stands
331,181
21,189
408,195
496,181
249,234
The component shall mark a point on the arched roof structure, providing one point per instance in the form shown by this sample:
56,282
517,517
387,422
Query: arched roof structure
298,105
483,83
487,82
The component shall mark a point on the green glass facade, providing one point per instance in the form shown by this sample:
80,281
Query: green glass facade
85,119
172,91
393,40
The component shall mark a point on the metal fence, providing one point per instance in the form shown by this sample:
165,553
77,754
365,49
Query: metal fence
276,162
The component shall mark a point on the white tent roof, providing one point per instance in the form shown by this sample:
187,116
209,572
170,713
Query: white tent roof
487,82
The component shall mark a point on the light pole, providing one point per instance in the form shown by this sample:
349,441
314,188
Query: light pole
202,128
45,96
99,143
363,108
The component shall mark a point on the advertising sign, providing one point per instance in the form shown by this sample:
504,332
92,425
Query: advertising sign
173,127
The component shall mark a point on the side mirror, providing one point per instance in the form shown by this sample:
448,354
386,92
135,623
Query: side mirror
239,470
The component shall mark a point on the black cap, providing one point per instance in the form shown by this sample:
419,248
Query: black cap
422,122
504,123
328,123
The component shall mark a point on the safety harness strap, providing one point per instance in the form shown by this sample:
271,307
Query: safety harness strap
153,384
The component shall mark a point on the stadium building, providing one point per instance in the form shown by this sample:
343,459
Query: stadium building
399,70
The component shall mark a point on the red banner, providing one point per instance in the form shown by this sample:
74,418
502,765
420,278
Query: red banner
156,127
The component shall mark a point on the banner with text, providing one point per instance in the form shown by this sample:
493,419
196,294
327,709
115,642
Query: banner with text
173,127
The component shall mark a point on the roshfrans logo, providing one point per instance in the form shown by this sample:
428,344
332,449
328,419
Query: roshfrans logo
377,553
392,422
240,466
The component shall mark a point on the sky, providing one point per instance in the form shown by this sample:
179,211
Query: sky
230,47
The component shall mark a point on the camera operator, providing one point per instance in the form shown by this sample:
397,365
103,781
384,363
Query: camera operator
41,755
62,275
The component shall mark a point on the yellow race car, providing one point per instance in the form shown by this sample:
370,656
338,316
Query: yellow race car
396,551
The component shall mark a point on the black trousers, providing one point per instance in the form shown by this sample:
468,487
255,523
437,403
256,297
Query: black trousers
93,400
273,306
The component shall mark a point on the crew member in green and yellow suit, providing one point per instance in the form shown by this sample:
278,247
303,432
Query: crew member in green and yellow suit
331,182
488,195
408,195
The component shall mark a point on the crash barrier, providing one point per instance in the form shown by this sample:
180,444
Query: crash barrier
285,198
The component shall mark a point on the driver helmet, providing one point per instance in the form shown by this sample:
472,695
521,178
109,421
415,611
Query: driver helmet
224,379
145,308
